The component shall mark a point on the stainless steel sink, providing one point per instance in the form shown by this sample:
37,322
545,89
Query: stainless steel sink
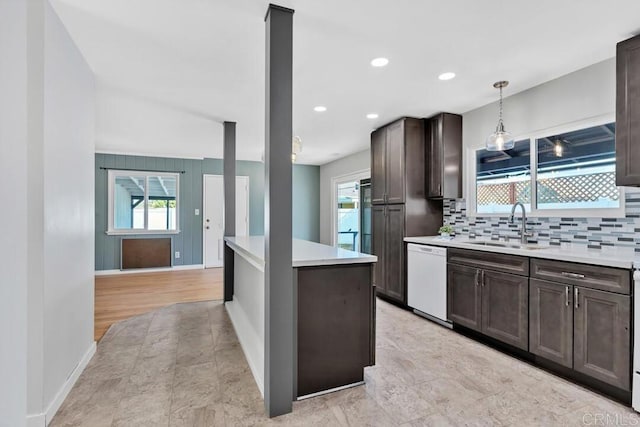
530,247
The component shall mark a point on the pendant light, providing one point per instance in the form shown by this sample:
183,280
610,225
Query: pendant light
558,148
296,148
500,140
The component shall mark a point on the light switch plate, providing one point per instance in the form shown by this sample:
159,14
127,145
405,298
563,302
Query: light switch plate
177,255
197,211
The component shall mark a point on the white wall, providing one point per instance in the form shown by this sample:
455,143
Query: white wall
13,223
69,185
583,94
354,163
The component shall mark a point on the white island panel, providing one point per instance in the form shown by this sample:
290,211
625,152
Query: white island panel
247,314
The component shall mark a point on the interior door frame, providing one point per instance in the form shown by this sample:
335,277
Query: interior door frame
204,210
356,176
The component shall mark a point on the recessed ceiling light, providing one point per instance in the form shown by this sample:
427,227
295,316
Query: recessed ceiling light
320,108
447,76
379,62
372,116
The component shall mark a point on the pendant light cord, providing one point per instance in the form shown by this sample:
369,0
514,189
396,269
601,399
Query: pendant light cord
500,117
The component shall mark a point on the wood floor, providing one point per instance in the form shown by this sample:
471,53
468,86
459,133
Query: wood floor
122,296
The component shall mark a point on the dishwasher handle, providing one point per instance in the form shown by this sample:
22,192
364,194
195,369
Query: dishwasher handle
427,250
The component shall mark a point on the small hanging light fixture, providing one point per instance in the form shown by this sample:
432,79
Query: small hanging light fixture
296,148
500,140
558,148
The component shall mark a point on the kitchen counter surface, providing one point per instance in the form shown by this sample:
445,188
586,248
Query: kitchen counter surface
606,257
305,253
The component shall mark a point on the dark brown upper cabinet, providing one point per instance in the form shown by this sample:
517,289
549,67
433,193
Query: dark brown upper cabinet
388,163
444,156
628,113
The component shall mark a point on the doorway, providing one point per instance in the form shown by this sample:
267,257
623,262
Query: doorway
347,210
213,216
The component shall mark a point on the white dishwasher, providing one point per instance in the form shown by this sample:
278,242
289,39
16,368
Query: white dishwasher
427,282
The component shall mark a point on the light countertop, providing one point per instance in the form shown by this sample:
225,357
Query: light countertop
607,257
305,253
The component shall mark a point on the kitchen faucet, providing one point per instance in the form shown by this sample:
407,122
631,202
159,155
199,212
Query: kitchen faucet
523,231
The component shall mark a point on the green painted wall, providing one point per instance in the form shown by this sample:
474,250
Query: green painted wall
306,201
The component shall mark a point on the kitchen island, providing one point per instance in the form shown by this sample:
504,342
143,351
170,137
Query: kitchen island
334,309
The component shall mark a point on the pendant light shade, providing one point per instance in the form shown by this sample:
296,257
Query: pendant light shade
296,148
500,140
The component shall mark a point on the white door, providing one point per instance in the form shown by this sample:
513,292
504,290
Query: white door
213,204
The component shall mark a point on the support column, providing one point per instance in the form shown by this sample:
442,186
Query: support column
229,182
279,352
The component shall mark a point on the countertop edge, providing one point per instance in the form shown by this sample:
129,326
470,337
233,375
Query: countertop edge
258,261
553,253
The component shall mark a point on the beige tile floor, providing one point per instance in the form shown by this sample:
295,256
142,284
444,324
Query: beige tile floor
182,366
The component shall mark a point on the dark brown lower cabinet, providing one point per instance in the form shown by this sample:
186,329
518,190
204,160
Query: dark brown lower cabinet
551,321
602,336
555,314
505,307
335,333
378,224
394,253
388,245
463,296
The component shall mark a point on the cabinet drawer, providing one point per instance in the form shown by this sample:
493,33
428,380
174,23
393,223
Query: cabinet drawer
589,276
490,261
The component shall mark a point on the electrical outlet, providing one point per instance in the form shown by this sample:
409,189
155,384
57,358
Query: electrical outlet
177,255
197,212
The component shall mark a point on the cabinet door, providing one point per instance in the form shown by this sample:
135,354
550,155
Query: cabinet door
378,224
378,166
505,307
628,112
394,253
551,321
463,295
602,336
395,167
435,158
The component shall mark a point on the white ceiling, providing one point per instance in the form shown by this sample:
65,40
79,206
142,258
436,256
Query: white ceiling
170,71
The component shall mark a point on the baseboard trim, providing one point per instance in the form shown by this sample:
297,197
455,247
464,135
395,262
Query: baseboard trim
149,270
36,420
69,383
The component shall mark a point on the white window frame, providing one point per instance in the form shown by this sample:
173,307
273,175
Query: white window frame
111,176
618,212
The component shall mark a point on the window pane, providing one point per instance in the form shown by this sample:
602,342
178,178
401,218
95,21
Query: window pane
577,169
162,203
128,203
503,178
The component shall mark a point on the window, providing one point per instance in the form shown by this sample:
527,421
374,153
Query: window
143,202
503,178
555,173
577,170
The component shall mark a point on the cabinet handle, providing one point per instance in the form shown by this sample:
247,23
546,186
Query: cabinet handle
575,295
566,296
573,275
476,279
482,279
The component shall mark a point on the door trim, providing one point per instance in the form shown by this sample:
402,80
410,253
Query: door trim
353,176
203,211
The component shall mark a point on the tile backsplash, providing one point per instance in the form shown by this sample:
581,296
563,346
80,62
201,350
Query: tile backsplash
595,233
